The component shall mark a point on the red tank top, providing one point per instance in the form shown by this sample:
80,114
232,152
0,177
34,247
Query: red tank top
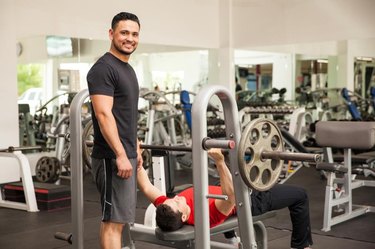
216,217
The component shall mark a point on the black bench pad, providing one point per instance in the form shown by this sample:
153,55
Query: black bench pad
187,232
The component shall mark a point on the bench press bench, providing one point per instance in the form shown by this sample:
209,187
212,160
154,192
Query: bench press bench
343,135
184,237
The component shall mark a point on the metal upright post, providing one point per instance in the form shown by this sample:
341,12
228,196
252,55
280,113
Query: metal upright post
200,168
76,163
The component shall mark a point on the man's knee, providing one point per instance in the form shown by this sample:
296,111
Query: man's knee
301,193
112,227
302,198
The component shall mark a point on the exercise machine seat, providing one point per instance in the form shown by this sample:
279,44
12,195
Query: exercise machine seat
186,232
346,134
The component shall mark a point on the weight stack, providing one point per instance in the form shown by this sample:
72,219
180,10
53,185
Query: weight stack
49,197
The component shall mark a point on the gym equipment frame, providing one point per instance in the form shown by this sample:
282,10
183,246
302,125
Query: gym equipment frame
27,180
347,136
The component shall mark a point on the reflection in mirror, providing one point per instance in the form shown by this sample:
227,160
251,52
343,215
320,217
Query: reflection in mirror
268,74
58,46
255,77
364,76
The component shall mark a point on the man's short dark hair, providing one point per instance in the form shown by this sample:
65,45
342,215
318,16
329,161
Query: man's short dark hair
124,16
168,220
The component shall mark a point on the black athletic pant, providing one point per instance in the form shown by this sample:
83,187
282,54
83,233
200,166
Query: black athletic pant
281,196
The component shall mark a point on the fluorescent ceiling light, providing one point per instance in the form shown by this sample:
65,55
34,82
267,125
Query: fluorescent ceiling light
364,59
246,66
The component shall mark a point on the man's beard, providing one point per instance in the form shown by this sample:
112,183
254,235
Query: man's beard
118,48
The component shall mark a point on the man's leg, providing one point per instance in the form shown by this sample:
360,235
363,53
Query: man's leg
110,235
296,199
118,199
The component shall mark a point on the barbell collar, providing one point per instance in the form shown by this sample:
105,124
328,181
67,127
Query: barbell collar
291,156
208,143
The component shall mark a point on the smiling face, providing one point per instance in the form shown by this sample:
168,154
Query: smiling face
125,38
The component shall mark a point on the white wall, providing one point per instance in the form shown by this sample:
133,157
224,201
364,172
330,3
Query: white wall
8,93
274,22
167,22
8,82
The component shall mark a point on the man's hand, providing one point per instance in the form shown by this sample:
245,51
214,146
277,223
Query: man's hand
124,167
216,155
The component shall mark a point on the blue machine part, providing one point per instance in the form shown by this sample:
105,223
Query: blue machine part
351,106
186,106
372,93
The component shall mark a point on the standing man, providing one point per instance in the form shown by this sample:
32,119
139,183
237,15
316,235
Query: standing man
114,90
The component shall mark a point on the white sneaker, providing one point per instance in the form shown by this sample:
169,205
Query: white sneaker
234,240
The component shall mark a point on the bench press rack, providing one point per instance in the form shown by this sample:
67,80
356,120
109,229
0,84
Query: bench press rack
343,135
200,175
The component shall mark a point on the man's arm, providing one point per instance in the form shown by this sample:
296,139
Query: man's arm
139,155
144,184
224,206
102,105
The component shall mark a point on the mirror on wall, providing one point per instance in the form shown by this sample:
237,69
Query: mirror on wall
269,73
56,65
312,73
255,77
364,76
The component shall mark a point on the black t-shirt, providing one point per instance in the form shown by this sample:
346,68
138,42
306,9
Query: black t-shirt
238,87
112,77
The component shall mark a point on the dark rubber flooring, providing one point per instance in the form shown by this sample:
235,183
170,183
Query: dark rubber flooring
23,230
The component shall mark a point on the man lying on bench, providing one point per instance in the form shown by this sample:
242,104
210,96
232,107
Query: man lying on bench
173,213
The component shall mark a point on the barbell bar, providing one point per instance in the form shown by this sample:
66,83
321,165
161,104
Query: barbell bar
290,156
207,143
12,148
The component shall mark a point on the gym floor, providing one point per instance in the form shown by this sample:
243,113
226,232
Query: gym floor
20,229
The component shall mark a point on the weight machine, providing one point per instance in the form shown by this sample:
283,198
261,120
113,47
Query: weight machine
267,155
343,135
200,176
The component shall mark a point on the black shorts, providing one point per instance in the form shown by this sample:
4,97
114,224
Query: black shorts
118,196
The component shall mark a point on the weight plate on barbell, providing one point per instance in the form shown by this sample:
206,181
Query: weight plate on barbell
257,172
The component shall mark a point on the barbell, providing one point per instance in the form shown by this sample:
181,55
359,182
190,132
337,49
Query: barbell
260,153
